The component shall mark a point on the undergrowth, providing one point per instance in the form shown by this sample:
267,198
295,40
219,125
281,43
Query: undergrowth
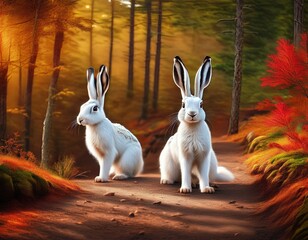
278,150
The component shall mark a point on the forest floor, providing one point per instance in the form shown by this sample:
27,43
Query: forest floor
141,208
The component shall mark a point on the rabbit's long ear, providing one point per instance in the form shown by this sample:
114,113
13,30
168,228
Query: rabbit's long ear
181,77
203,77
102,82
91,83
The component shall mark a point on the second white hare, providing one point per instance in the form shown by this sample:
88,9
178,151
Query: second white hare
116,149
190,150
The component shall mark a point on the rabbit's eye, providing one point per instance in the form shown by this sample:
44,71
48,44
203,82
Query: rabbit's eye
201,104
183,105
95,109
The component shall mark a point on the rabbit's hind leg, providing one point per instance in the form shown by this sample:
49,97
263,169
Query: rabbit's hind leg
169,169
129,164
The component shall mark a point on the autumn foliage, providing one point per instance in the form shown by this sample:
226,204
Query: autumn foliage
279,147
288,71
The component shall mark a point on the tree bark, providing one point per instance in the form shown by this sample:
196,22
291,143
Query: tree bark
3,95
237,80
20,101
46,152
4,65
31,68
157,56
298,21
111,37
91,35
145,103
130,85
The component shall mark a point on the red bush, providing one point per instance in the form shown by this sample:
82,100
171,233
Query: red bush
288,69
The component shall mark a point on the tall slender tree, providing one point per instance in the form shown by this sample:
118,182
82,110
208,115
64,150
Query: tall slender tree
20,100
111,36
157,56
63,18
3,92
145,103
237,79
298,21
130,85
91,35
46,154
31,69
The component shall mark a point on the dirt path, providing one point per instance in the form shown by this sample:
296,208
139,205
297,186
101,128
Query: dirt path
141,208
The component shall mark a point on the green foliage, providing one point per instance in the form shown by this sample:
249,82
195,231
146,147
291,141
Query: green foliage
65,167
20,184
300,225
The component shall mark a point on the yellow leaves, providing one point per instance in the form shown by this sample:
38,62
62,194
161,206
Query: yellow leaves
20,111
64,93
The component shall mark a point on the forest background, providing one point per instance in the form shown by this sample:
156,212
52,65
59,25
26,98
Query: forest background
46,47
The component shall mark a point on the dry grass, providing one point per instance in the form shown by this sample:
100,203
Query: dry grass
284,207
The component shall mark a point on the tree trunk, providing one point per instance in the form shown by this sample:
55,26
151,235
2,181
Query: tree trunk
20,101
145,103
298,21
91,35
47,125
157,56
31,68
111,37
3,97
130,85
237,80
3,94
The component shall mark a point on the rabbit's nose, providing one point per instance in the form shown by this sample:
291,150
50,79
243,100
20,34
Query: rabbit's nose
79,121
192,114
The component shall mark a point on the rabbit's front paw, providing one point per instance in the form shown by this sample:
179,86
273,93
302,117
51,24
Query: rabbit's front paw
208,190
121,176
185,190
99,179
165,181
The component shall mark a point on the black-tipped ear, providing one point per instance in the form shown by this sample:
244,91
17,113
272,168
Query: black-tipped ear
103,79
181,77
91,86
203,77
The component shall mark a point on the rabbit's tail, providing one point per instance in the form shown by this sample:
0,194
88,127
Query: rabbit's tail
224,175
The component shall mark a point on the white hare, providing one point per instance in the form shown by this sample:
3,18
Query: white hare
116,149
190,150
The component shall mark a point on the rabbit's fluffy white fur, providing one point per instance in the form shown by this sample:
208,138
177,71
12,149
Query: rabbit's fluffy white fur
116,149
189,151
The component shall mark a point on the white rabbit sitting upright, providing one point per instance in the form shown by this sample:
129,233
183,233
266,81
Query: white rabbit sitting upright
190,150
116,149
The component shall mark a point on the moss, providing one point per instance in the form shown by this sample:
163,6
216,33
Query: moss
5,169
41,186
6,187
23,182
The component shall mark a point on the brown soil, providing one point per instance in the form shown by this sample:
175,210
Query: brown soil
141,208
